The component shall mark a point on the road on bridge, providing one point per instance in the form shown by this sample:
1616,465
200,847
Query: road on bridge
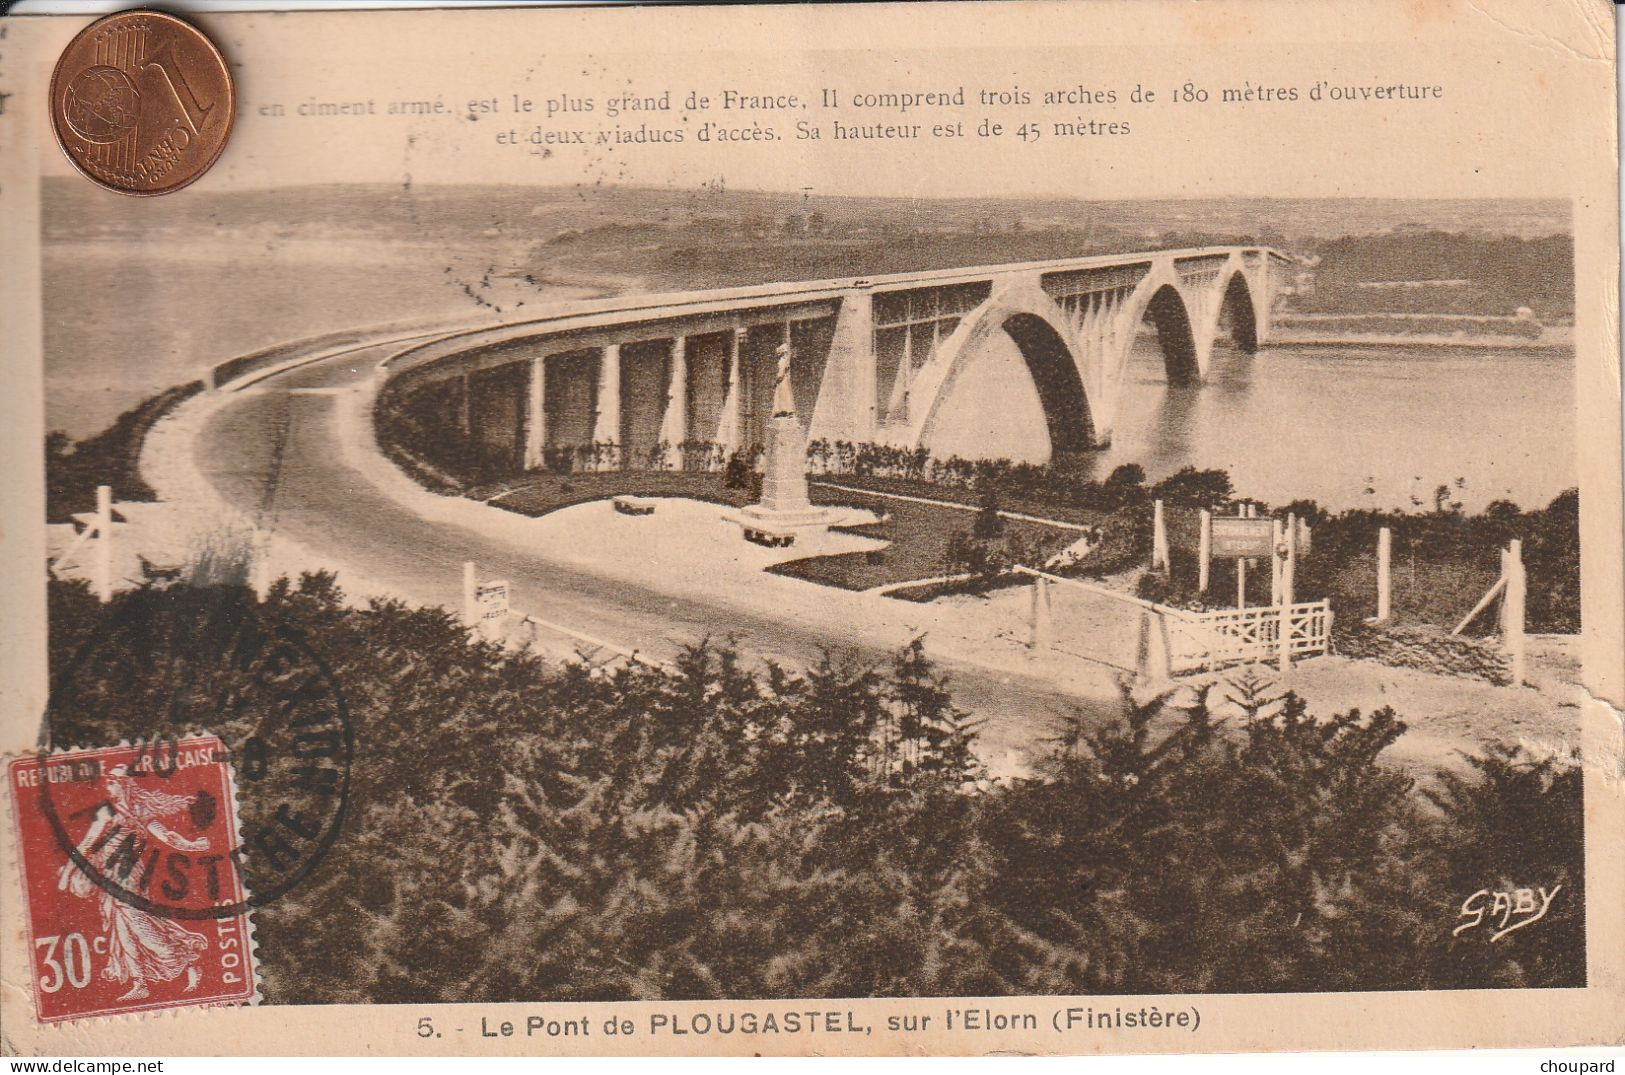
272,452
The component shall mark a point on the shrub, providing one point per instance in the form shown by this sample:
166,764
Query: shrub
1455,548
1509,822
565,832
1126,474
1142,854
1193,488
73,469
989,523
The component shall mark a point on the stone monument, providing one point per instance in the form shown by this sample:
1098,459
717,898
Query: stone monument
784,507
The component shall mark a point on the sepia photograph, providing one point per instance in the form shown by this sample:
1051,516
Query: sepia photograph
752,593
960,571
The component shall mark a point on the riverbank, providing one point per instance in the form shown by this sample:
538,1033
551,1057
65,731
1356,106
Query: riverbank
1289,338
1424,330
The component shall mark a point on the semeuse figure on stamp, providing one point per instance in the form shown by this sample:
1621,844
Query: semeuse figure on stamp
141,947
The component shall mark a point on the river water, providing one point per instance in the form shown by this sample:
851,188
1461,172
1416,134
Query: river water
1348,426
166,313
1353,426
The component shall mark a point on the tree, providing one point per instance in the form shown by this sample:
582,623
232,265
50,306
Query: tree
1127,474
1194,488
524,830
989,523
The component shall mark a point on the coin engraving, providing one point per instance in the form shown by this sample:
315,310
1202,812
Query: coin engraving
142,103
100,105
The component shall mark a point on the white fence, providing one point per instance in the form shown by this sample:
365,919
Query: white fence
1223,637
1175,640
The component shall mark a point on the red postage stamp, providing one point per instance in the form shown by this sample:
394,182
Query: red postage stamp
135,900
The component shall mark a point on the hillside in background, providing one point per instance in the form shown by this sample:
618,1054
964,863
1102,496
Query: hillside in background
74,210
1431,271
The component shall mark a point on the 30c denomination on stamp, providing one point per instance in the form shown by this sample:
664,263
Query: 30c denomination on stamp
146,909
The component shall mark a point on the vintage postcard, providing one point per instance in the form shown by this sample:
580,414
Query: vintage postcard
814,529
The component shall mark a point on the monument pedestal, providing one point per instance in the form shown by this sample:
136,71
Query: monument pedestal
784,507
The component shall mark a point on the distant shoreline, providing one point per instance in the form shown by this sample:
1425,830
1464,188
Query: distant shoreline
1478,343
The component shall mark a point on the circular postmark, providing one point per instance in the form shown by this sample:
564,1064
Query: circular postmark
141,102
167,663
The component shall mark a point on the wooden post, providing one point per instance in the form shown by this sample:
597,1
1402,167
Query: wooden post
1499,590
104,543
471,614
1385,574
1204,552
1277,566
1159,538
1289,569
1241,566
1513,610
1152,660
1041,614
1284,637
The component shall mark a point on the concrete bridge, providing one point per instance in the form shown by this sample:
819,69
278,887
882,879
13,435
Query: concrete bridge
906,359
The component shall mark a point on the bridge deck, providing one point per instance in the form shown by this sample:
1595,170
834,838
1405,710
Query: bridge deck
653,309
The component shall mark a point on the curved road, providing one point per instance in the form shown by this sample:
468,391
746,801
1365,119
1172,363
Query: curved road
272,451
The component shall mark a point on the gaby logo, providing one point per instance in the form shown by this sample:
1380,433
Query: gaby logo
1516,908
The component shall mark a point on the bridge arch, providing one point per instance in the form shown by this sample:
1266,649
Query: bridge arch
1238,310
1040,332
1054,371
1167,310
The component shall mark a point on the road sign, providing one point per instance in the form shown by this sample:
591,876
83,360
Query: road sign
491,601
1233,537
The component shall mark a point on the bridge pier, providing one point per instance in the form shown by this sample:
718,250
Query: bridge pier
607,415
536,415
1097,325
674,424
728,430
846,400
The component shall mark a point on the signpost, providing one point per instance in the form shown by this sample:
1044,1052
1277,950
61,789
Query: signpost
1247,538
1241,539
491,601
1233,537
485,604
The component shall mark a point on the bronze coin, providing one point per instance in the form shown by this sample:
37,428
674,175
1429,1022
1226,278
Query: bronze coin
141,102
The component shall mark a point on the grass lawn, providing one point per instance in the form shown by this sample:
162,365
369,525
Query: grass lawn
909,487
918,536
539,493
1435,592
918,533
